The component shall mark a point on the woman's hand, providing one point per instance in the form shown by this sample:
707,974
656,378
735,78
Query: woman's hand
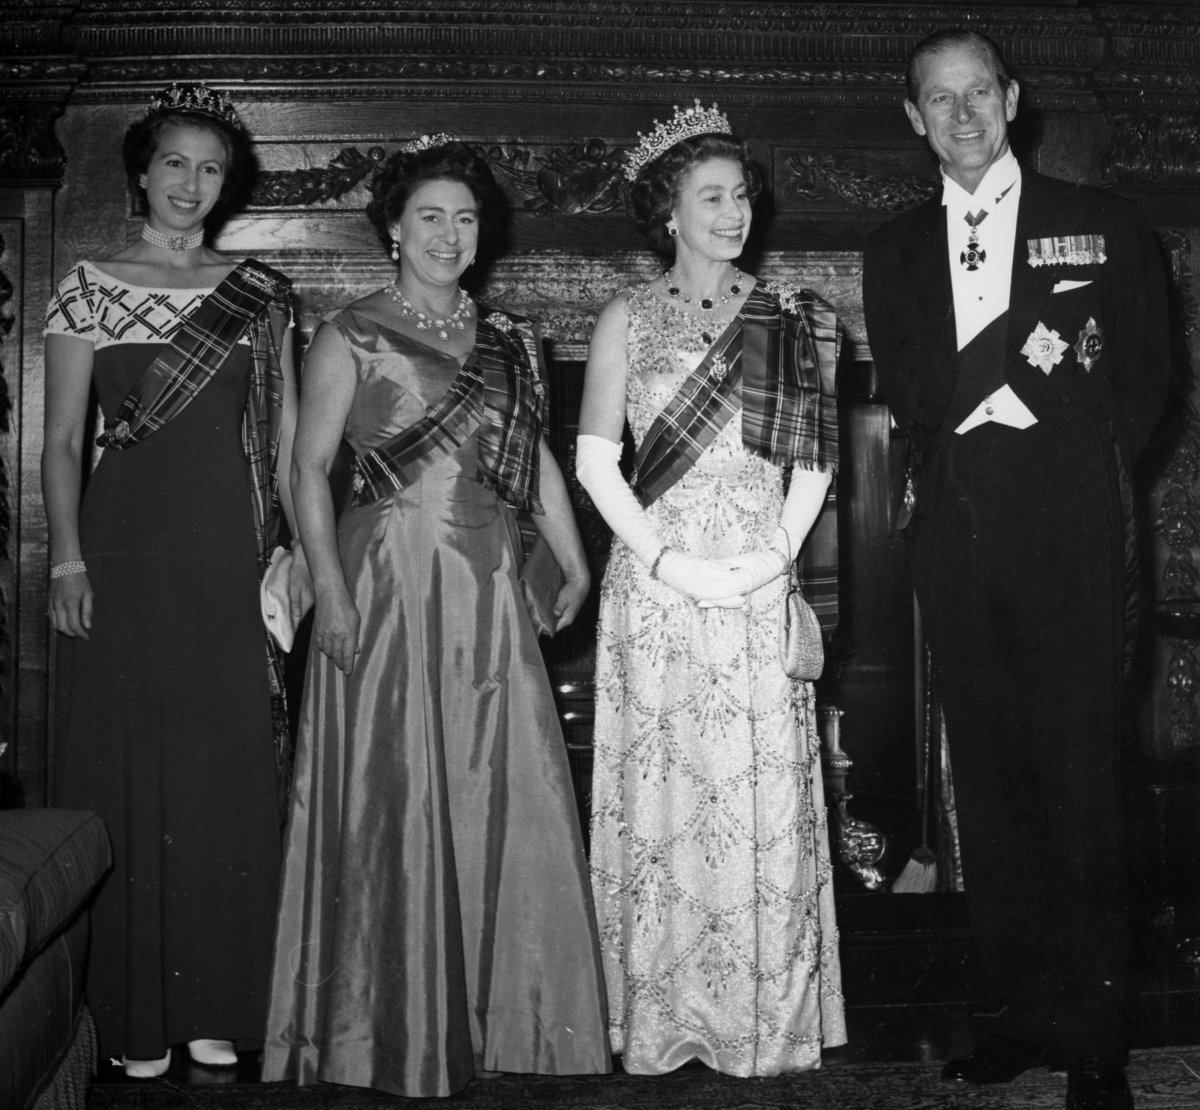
571,598
701,579
300,585
71,605
335,628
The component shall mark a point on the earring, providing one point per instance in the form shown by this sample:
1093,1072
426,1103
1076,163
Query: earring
672,230
395,250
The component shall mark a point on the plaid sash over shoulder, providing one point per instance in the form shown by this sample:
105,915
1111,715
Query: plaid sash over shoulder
777,362
781,350
198,350
789,408
498,391
253,299
509,351
445,427
703,404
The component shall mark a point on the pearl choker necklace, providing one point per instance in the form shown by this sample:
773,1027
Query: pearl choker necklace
172,242
706,303
457,319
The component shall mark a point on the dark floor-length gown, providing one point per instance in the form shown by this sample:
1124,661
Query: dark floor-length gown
435,918
163,715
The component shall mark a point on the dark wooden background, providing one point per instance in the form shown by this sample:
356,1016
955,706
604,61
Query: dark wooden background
552,92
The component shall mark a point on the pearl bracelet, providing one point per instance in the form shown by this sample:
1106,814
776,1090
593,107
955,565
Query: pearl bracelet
71,566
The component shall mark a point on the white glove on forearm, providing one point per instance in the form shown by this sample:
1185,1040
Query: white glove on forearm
597,466
806,495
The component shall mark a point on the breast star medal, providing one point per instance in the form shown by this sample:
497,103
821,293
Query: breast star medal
1044,348
1090,344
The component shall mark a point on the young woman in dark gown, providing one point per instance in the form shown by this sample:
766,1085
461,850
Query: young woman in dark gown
164,721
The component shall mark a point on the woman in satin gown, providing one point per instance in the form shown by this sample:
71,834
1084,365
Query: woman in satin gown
710,851
436,921
164,721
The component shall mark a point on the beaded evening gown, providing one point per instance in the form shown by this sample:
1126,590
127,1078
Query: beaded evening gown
436,917
710,855
163,715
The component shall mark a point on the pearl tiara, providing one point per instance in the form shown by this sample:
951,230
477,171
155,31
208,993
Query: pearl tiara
684,124
195,98
425,142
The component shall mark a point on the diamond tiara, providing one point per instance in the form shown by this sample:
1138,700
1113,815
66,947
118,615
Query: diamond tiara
195,98
425,142
684,124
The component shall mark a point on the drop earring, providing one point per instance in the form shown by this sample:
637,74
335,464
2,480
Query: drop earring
395,250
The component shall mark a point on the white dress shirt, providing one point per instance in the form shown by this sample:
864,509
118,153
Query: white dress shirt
981,295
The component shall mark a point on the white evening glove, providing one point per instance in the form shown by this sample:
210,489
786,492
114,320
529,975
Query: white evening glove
597,466
806,495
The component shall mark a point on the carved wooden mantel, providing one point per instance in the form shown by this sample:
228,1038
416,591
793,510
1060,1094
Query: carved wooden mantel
551,92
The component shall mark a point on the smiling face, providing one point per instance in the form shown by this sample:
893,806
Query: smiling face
962,111
438,232
183,178
712,210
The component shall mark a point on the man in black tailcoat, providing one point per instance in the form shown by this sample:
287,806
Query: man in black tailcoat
1018,325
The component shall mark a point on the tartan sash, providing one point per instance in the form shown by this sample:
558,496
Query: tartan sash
445,427
784,359
256,299
196,352
497,392
789,406
702,405
509,352
778,359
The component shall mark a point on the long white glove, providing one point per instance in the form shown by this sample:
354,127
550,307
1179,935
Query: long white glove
597,465
806,495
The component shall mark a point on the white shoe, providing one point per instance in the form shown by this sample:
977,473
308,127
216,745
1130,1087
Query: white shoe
213,1054
146,1069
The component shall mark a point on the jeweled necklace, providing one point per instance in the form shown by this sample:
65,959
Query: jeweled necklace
457,319
706,303
172,242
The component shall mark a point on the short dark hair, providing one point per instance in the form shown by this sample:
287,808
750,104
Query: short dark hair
142,138
399,176
947,39
655,190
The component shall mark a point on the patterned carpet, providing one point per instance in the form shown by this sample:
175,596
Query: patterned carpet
1162,1079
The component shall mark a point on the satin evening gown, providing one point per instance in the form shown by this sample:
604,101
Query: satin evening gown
710,849
436,918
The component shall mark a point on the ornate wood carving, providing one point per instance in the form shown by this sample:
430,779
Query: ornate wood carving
539,179
298,187
29,149
1153,149
1177,524
563,180
7,320
817,175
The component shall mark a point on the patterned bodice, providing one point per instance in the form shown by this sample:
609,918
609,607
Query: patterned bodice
732,496
105,310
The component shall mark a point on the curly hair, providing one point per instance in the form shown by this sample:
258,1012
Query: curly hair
655,191
241,166
399,176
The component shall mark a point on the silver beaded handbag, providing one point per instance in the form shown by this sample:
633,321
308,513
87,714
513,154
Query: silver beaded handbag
801,648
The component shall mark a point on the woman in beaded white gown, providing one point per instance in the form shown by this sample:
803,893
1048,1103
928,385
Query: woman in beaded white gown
710,859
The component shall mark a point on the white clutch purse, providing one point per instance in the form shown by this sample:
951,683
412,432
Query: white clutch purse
273,595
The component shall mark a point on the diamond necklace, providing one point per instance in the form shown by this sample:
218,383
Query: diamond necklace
706,303
172,242
457,319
